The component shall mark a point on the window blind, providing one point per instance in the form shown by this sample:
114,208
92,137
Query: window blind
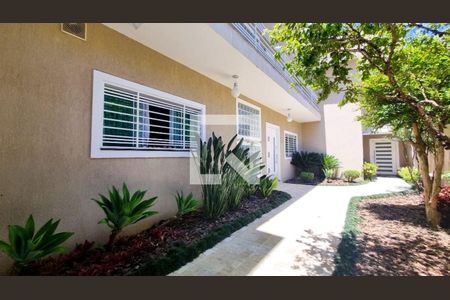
133,120
290,144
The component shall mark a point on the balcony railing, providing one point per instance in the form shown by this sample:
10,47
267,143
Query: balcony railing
254,34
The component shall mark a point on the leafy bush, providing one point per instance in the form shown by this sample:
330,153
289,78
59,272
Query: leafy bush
330,162
444,206
123,210
307,176
351,175
328,173
369,170
446,178
250,189
27,245
218,198
308,162
267,184
186,204
410,175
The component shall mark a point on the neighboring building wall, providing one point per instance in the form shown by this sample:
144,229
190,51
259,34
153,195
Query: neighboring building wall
46,96
338,134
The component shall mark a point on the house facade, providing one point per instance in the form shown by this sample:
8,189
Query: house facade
114,103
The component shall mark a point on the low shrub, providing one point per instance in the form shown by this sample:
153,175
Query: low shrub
446,178
410,175
307,176
351,175
185,204
444,206
330,162
308,162
123,210
328,174
27,245
267,184
369,170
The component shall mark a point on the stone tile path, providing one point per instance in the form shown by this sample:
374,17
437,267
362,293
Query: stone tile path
298,238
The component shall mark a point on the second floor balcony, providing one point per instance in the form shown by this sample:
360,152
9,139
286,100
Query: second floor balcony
255,34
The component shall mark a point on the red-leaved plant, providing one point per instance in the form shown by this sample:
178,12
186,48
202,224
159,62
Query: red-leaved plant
444,206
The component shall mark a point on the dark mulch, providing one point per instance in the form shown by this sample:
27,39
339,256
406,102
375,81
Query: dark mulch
132,252
392,238
332,182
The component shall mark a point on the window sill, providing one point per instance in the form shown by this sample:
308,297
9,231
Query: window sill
139,154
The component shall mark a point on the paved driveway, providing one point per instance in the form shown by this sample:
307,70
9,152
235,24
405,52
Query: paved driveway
298,238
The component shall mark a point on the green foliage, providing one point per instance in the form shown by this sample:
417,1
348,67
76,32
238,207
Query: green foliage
27,245
267,184
307,176
250,189
351,175
369,170
446,177
212,160
410,175
328,173
123,210
308,162
330,162
186,204
402,70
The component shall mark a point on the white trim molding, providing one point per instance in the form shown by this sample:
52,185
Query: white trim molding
102,81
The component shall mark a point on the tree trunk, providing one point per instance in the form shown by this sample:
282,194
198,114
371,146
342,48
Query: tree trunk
431,185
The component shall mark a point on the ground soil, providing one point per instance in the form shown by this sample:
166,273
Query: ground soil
130,252
394,239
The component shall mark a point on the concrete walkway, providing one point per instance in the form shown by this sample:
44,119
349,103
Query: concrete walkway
298,238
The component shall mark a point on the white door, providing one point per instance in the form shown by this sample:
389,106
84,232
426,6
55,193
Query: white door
273,149
384,153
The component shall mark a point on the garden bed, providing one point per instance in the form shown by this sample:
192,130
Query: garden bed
388,235
333,182
161,249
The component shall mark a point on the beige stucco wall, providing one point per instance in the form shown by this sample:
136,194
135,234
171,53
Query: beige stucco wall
338,134
46,97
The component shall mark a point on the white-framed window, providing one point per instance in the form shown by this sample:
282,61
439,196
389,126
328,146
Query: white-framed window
133,120
248,120
290,143
249,125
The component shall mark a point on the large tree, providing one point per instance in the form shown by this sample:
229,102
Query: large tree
399,74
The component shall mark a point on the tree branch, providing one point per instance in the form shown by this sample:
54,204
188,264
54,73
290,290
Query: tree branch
434,31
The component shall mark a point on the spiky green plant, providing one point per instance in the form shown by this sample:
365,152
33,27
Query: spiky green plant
330,162
186,204
218,198
27,245
328,173
267,184
123,210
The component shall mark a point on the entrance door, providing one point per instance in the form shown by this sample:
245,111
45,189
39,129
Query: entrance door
384,153
273,149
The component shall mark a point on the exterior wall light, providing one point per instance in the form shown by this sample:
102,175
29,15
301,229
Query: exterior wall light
289,117
235,92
